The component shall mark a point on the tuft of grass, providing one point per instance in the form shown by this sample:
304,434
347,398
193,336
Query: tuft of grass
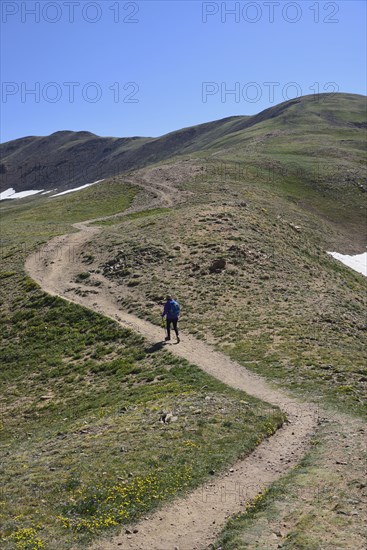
82,277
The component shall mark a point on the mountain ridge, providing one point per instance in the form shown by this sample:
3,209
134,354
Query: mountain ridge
66,158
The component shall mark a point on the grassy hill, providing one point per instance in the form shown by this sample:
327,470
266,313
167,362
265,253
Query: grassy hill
66,158
83,449
281,305
290,137
269,196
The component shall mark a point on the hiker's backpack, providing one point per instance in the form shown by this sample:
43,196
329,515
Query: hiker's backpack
174,309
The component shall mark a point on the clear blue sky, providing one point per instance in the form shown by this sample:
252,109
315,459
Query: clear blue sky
177,61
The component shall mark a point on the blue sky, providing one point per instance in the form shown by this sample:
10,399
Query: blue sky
120,68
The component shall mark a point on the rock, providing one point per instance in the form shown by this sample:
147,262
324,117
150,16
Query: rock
295,227
128,532
217,265
167,418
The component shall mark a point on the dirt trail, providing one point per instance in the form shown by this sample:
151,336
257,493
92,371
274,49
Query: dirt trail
192,522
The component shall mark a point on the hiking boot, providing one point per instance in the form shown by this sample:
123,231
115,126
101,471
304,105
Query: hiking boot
178,339
167,339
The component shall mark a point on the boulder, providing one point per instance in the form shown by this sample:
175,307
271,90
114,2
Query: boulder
217,265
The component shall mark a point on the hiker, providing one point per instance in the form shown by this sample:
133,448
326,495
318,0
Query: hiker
171,311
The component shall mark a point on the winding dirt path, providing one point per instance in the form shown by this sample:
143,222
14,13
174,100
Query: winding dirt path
189,523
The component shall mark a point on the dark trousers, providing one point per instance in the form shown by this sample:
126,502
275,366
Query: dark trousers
168,325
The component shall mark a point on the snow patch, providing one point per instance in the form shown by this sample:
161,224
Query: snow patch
357,262
12,194
76,189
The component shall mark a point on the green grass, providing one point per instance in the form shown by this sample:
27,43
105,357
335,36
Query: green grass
81,415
